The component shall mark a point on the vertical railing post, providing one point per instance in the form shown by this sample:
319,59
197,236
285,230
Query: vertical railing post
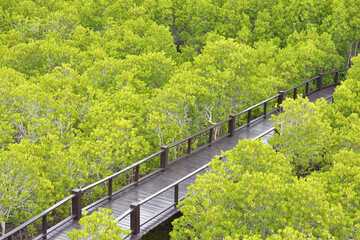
295,93
137,168
176,194
44,227
210,136
189,146
306,88
110,188
76,204
336,77
231,129
280,99
265,109
249,118
319,81
135,218
164,158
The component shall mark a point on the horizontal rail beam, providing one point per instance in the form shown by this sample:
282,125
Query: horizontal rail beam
121,190
122,216
173,184
32,220
121,171
54,227
199,133
337,71
265,133
257,105
302,84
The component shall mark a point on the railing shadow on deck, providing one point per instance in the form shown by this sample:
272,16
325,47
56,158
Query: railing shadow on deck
235,122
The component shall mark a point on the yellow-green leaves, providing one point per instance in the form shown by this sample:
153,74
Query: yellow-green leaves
88,87
305,135
342,187
252,156
99,225
252,194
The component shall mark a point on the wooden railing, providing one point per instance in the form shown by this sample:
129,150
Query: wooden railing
318,80
43,216
232,123
134,210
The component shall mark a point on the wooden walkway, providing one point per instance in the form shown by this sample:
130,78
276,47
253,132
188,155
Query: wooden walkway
120,203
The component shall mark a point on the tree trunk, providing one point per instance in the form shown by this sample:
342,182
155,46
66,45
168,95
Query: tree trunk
348,62
3,229
356,47
216,132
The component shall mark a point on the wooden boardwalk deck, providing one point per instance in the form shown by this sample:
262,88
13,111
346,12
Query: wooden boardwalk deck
120,203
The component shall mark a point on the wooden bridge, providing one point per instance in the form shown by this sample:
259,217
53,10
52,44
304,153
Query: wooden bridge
151,199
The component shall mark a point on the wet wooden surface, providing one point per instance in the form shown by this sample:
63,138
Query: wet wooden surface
177,170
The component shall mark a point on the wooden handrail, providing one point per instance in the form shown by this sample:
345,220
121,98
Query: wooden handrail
41,215
174,185
121,171
302,84
257,105
122,216
199,133
194,172
137,164
265,133
337,71
314,78
135,217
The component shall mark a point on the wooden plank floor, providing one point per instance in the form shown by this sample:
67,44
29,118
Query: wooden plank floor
121,202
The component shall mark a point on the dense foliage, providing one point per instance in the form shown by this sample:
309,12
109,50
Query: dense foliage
99,225
304,185
88,87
